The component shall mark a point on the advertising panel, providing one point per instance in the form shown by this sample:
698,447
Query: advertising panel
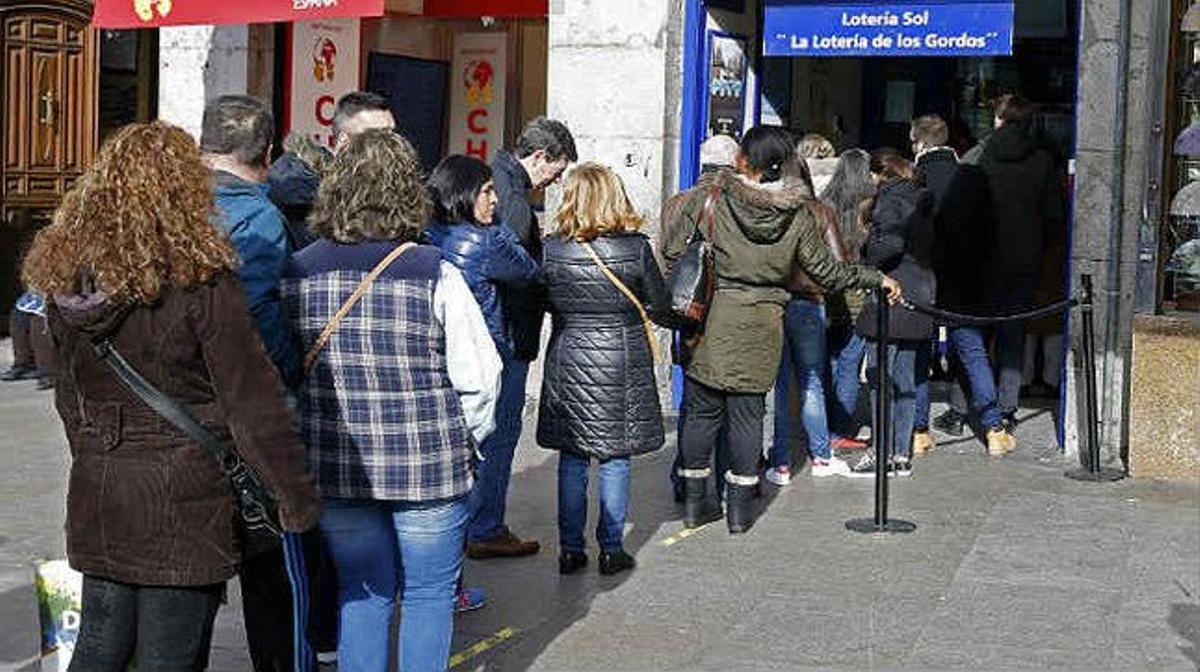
477,86
325,66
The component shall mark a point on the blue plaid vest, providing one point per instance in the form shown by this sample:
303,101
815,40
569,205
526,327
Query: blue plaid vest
377,411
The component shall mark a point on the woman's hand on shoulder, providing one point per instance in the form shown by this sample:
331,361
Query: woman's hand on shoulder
895,292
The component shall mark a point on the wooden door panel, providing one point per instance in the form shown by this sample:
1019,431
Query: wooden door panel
49,99
45,134
16,106
73,116
46,30
16,28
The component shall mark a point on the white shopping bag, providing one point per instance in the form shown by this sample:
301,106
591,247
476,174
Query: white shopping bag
59,591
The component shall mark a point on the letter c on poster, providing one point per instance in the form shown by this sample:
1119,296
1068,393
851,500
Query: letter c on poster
325,66
478,78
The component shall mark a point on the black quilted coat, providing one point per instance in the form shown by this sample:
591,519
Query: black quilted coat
599,396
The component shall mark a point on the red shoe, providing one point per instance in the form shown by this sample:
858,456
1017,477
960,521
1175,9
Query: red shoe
847,443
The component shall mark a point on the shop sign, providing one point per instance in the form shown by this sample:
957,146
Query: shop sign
325,66
155,13
477,81
834,28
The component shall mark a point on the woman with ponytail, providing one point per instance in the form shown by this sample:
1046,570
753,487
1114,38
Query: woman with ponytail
761,233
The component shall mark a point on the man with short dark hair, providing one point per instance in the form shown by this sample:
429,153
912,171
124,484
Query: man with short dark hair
236,139
937,164
539,157
236,142
359,111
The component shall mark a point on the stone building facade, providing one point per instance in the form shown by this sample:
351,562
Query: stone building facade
619,73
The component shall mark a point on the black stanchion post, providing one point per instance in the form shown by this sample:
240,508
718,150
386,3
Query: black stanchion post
882,434
1092,471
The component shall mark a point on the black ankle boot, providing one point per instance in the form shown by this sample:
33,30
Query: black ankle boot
739,506
570,562
615,562
698,508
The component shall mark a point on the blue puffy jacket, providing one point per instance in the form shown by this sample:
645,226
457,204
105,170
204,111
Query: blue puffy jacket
259,234
487,256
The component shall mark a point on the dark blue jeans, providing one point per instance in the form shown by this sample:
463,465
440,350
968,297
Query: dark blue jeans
902,359
846,352
489,496
969,345
572,502
924,360
804,360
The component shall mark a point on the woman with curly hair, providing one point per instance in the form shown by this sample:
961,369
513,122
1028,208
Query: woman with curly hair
132,258
401,385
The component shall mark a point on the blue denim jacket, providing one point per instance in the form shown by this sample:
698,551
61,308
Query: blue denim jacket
258,233
487,256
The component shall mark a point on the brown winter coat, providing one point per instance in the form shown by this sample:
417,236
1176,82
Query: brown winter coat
146,505
761,235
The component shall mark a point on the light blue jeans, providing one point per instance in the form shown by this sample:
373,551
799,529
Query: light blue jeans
382,549
804,359
572,502
489,497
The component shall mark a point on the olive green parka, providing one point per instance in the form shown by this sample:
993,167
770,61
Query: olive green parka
761,234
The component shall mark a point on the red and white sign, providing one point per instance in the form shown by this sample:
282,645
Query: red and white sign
477,85
325,66
155,13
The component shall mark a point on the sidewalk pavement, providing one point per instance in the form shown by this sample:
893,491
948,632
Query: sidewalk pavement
1012,566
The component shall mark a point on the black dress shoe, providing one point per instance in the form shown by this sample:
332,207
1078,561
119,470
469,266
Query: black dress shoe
45,383
20,372
615,562
570,562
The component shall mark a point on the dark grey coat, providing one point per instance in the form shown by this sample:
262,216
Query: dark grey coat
599,395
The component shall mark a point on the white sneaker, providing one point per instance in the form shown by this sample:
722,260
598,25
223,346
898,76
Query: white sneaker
327,658
781,475
831,467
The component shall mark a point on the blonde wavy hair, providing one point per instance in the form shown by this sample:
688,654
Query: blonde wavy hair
594,204
372,190
139,222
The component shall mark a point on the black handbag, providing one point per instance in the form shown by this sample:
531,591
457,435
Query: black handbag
257,522
692,278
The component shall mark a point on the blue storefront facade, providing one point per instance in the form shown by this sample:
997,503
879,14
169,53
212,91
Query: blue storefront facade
1118,87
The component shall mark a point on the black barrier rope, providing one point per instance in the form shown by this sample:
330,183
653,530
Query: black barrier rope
953,318
883,435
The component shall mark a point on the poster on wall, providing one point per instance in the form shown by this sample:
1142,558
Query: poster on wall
325,66
477,87
726,84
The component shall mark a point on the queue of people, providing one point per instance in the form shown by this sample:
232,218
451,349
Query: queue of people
983,235
362,334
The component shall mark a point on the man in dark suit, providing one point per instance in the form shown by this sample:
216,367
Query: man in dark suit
540,156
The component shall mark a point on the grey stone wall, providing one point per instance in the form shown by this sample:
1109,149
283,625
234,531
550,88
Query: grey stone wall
608,81
1106,231
199,63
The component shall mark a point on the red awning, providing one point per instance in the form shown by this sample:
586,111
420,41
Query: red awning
154,13
503,9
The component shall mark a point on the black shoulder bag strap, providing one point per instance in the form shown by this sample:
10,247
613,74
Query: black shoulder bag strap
256,508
